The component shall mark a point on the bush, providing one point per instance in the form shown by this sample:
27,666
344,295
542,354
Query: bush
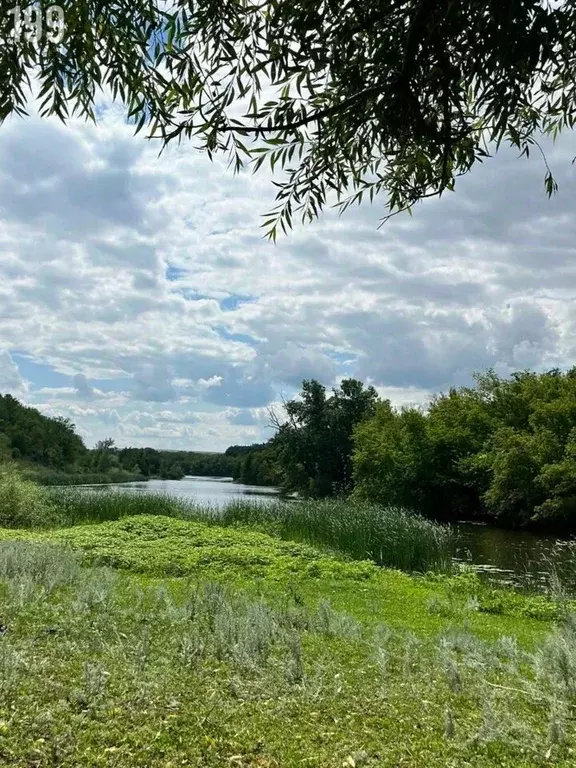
23,504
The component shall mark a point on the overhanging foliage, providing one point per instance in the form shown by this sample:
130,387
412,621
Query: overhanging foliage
348,99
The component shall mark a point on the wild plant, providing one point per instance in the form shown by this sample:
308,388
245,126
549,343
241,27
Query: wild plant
258,631
449,725
451,669
12,667
333,623
555,662
44,564
94,681
294,668
410,646
96,591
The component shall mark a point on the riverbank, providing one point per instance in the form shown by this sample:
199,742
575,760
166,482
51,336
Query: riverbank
161,641
142,629
49,477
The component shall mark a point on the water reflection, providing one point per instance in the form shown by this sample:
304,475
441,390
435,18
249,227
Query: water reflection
517,556
215,491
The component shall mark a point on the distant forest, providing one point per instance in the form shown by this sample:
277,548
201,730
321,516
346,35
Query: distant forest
502,451
49,450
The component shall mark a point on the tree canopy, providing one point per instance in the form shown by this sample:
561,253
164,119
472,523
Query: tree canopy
348,99
504,450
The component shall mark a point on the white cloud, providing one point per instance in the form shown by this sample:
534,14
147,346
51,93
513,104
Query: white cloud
143,290
11,382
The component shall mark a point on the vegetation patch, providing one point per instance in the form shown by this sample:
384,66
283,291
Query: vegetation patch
101,668
389,536
159,545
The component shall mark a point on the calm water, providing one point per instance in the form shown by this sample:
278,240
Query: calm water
517,556
513,556
216,491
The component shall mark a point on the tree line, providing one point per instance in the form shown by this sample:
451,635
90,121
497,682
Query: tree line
503,450
51,451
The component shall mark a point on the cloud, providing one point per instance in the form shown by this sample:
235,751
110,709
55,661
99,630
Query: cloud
153,383
243,418
83,387
150,277
11,381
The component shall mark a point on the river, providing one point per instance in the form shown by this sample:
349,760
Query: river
504,555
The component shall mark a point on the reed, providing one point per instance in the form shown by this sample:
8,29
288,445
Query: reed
389,536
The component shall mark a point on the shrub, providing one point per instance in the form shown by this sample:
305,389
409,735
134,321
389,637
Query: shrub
23,504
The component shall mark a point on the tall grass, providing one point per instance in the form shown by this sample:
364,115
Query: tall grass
387,535
93,505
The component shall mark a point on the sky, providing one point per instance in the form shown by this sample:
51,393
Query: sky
139,298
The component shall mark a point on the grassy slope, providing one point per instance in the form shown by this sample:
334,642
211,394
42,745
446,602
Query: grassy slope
158,546
116,672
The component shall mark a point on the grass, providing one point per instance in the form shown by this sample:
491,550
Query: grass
194,637
103,667
388,536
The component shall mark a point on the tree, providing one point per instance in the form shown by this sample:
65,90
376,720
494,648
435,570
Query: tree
314,446
33,437
392,459
105,455
353,99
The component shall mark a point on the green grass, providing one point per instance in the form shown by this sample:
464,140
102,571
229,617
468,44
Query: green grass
388,536
140,630
263,664
156,547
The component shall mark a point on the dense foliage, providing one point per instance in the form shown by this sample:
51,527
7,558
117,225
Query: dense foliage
256,464
314,443
173,465
504,450
26,434
54,454
23,504
348,98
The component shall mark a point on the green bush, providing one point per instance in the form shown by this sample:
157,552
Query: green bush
23,504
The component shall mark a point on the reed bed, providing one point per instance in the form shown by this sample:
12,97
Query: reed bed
81,506
389,536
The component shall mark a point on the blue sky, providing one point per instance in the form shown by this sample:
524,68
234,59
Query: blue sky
138,297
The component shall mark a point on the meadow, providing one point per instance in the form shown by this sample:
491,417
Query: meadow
139,633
